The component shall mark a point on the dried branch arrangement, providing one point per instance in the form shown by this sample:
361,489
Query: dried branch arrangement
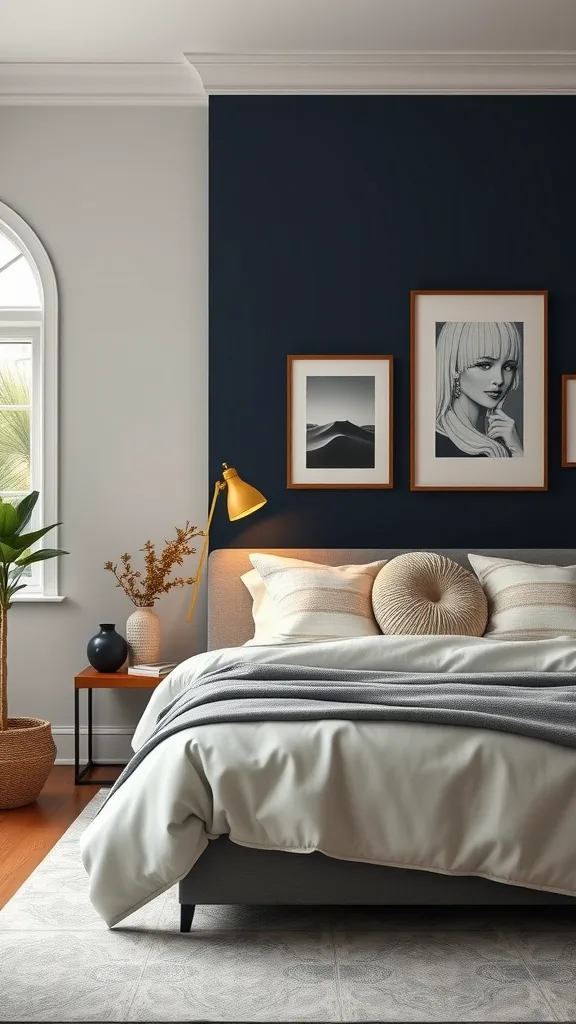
144,589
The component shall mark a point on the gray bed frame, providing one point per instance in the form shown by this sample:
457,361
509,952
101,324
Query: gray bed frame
228,873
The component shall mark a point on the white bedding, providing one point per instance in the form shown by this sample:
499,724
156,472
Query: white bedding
444,798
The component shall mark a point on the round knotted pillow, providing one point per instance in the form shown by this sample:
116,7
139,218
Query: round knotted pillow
421,592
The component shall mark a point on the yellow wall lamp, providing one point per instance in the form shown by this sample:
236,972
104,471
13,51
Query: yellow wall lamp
242,500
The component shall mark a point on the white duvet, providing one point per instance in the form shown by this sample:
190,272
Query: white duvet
442,798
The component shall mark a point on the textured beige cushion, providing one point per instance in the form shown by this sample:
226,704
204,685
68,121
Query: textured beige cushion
421,592
315,602
527,601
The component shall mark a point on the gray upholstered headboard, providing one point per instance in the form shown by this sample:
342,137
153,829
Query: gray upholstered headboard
230,605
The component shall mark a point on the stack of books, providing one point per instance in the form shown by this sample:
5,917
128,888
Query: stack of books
153,668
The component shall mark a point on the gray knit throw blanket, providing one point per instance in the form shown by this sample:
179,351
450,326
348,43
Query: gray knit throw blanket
541,705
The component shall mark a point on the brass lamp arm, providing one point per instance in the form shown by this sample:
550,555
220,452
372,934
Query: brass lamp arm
218,486
243,499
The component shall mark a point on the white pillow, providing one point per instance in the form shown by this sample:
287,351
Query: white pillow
527,601
264,611
312,602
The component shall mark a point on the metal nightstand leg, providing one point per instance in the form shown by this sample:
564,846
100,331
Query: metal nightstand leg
79,774
90,727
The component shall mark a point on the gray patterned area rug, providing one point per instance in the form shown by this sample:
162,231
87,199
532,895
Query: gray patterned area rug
59,962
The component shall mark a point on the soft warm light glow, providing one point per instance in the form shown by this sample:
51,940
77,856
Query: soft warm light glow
248,511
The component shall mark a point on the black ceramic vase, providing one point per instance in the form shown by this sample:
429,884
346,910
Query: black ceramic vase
107,651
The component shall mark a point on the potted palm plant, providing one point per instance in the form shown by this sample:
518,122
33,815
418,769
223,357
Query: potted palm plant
27,749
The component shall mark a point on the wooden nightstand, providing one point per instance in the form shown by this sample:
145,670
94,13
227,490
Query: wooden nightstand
89,679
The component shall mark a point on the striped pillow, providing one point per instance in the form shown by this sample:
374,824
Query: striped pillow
527,601
318,602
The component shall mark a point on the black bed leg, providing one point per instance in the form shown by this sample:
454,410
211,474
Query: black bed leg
186,916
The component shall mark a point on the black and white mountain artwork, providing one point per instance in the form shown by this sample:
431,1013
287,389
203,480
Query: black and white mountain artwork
340,422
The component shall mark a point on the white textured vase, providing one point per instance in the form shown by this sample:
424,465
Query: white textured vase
143,636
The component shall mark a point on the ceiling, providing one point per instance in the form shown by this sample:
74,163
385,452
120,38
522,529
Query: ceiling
162,30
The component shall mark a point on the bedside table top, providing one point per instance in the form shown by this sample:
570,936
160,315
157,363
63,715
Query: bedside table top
90,677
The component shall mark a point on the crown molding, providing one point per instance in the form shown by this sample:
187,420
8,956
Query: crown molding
362,73
101,84
196,76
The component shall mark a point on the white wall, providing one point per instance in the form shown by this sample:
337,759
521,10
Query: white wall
119,198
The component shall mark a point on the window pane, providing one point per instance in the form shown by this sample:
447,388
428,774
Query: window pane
14,497
15,450
18,286
7,250
15,373
15,390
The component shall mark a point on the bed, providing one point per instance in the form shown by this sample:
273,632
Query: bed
235,872
228,873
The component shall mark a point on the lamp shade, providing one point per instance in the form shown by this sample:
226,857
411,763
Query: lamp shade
242,497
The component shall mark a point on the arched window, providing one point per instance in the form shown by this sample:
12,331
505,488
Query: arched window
28,384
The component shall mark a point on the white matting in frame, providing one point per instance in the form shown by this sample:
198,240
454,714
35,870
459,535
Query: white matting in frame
339,421
478,390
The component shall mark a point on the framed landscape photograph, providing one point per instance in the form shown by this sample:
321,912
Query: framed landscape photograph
479,379
568,420
339,421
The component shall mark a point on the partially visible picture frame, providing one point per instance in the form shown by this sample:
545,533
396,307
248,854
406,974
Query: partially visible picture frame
339,422
479,391
568,420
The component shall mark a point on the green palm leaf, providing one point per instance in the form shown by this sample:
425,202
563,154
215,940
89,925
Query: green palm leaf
24,510
38,556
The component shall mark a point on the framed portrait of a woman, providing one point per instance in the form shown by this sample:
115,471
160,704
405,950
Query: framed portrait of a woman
478,391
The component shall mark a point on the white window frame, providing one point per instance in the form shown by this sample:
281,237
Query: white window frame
27,328
42,326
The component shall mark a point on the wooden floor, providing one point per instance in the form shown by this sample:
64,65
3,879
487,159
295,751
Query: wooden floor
28,833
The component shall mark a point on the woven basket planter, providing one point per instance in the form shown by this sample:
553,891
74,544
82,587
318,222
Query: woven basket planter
27,753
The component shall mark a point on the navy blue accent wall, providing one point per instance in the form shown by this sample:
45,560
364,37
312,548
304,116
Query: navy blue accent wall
325,212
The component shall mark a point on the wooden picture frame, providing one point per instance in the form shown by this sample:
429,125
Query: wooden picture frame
568,420
469,430
327,446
